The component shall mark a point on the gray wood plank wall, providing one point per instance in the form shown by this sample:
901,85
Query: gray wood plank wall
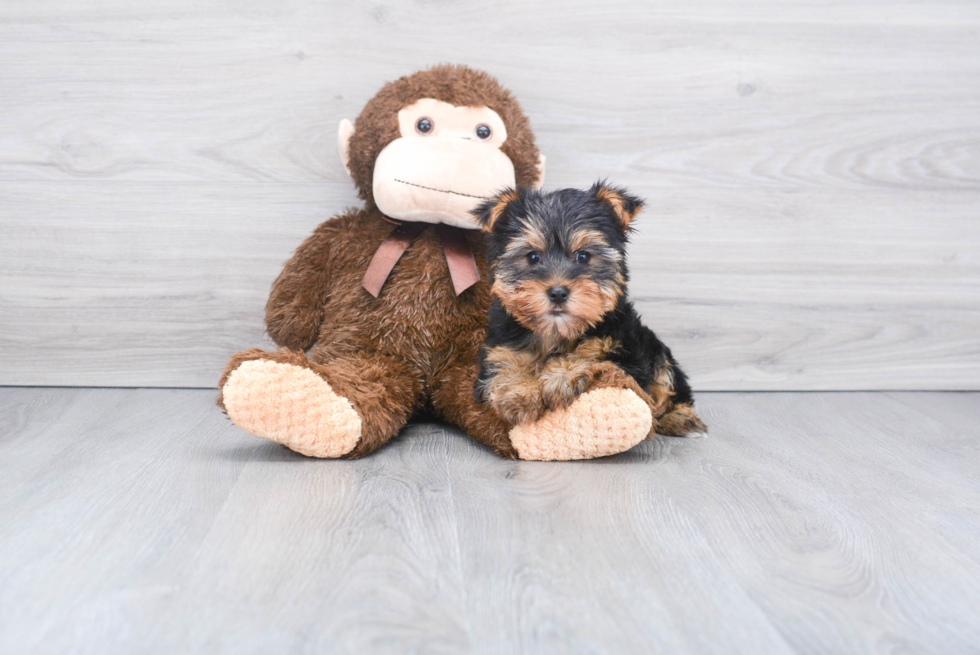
812,171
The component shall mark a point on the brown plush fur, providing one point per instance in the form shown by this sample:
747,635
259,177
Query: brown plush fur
415,346
386,391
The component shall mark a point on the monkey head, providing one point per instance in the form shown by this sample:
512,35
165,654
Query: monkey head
431,146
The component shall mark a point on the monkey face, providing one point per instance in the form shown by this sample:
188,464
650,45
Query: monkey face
444,161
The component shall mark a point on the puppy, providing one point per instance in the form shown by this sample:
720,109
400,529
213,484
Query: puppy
560,320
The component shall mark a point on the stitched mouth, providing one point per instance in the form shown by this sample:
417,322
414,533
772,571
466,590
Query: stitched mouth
428,188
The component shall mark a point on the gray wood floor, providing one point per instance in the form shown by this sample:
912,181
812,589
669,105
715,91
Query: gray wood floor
143,521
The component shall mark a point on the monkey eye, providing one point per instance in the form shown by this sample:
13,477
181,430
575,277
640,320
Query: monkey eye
483,131
533,258
582,257
423,125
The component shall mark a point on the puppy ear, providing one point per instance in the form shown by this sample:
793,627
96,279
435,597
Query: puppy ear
624,205
492,210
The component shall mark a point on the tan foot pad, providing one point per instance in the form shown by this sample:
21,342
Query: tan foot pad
293,406
599,423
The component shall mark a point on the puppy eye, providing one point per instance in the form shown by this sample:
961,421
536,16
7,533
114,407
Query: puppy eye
483,131
582,257
533,258
423,126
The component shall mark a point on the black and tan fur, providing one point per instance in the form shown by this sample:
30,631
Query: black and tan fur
560,316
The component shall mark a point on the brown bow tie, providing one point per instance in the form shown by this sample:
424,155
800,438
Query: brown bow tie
459,256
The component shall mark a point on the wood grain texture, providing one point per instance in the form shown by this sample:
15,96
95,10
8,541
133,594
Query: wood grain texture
143,520
162,293
813,172
807,523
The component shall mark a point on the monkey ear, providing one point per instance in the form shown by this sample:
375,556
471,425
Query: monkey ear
491,211
624,205
344,133
540,167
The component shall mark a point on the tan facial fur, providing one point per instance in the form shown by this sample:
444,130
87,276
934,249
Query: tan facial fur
527,301
585,239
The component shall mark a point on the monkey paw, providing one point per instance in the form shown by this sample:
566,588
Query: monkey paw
598,423
291,405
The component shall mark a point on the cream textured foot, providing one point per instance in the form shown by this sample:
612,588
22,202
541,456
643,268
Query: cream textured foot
293,406
599,423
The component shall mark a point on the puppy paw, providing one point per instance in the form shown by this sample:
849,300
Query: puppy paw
560,388
566,379
681,421
519,407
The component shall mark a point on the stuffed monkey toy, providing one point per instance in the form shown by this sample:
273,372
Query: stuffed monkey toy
380,314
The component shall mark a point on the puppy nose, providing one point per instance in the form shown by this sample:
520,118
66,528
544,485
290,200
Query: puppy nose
558,294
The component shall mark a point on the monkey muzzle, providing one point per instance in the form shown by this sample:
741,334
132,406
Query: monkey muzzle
438,179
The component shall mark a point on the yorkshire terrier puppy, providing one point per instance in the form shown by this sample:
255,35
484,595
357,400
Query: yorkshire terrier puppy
560,319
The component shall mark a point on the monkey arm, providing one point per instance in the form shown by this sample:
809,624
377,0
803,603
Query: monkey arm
295,309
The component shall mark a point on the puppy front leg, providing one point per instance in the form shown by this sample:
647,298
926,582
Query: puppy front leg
566,377
509,383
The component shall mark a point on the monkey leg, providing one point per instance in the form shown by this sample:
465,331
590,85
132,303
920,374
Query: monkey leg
453,400
345,407
609,418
